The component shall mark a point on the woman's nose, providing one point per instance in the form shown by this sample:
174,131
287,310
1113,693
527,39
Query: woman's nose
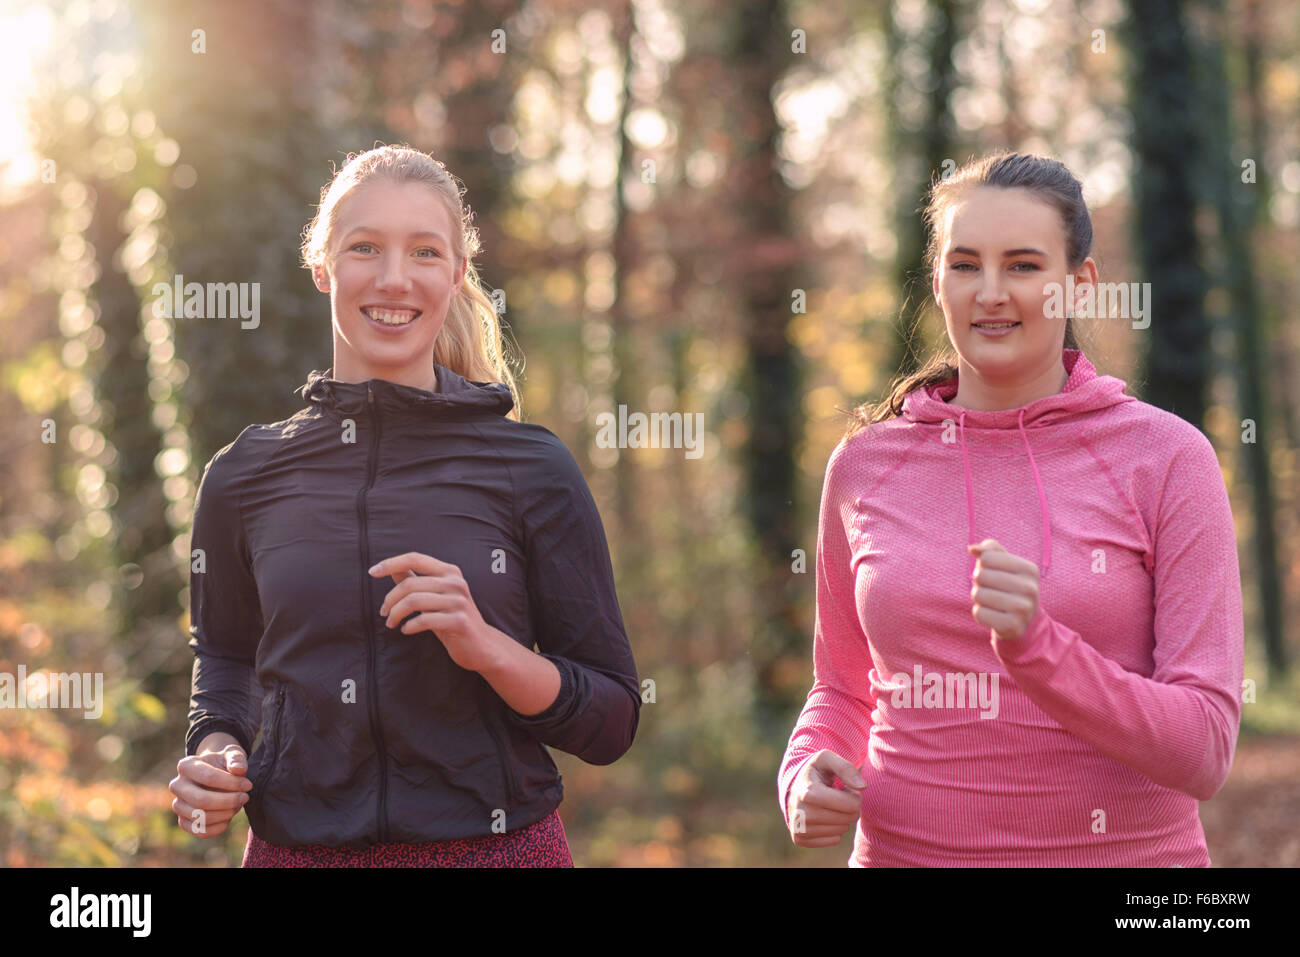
991,291
392,274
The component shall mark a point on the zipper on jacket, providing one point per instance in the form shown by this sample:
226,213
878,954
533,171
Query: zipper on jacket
275,732
370,615
507,759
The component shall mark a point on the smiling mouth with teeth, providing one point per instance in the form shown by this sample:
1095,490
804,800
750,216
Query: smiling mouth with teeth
392,317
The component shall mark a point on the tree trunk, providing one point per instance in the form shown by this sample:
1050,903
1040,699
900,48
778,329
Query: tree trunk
1238,203
1176,363
768,274
919,154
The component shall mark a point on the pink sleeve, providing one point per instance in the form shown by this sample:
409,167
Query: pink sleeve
837,714
1178,727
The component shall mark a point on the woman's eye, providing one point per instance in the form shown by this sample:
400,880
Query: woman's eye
359,245
966,267
430,249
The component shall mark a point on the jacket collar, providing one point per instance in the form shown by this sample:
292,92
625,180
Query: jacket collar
455,396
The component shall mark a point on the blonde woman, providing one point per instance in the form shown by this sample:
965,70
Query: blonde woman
1028,647
378,568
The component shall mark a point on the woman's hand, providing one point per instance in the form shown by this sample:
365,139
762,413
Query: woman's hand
213,781
1005,589
818,813
440,593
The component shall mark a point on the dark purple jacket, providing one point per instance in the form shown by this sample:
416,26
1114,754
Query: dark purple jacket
370,734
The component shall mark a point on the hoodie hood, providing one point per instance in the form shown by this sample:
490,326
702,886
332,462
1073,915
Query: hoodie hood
454,396
1084,392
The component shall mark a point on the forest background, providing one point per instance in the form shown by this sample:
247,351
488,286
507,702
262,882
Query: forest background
704,207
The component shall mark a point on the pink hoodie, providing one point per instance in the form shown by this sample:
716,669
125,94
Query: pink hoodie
1089,740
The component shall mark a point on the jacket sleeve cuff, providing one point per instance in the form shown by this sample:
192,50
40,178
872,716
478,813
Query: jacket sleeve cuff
1029,645
208,726
786,784
558,710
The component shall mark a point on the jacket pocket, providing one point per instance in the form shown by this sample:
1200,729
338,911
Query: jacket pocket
274,742
261,768
495,719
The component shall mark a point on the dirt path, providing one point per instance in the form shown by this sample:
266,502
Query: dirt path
1254,821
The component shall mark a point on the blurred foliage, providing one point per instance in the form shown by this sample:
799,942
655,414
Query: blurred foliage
619,158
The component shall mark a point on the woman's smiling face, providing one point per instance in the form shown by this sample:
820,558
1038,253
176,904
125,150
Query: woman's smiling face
394,275
999,249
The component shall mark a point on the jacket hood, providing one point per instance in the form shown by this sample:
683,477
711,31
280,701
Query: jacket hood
454,396
1084,392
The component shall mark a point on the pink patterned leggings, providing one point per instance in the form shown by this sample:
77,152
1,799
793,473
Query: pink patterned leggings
542,844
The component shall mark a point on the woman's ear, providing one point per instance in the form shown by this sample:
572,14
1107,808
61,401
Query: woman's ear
1085,286
460,277
321,277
